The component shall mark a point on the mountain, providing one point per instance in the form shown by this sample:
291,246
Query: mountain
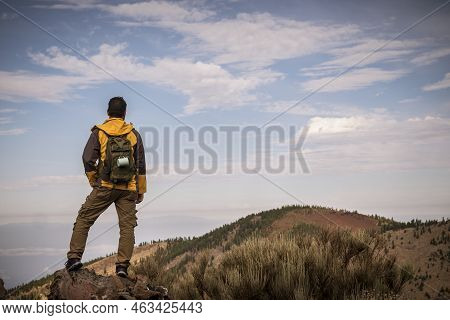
294,252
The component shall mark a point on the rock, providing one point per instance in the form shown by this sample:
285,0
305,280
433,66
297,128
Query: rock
2,290
85,284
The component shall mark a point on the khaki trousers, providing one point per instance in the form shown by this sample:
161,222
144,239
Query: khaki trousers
96,203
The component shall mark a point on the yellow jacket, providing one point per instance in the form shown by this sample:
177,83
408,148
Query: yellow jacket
95,151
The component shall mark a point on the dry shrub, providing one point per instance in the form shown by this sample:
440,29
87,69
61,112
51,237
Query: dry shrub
332,264
152,267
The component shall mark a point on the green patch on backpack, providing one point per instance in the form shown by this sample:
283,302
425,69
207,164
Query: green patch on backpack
119,166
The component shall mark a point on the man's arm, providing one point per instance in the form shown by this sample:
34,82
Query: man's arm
139,154
91,154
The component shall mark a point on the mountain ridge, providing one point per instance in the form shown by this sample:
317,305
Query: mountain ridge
180,255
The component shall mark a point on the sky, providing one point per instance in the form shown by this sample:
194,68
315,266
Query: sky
378,139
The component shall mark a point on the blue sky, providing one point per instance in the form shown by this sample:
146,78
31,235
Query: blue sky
379,135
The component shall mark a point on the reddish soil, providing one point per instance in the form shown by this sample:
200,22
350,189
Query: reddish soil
353,221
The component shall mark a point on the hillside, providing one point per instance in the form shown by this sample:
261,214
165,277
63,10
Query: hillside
184,265
427,248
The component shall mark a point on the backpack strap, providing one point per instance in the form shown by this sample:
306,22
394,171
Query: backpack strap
101,166
136,176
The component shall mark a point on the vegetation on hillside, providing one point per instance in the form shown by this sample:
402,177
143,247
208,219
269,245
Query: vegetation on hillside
323,264
251,259
236,232
242,260
388,224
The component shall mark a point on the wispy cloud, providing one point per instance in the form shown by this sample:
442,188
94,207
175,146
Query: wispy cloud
409,100
19,86
9,110
8,16
377,142
323,125
263,38
70,4
157,10
17,252
345,56
312,109
207,85
39,181
8,119
441,84
431,56
5,120
233,53
46,251
13,132
354,80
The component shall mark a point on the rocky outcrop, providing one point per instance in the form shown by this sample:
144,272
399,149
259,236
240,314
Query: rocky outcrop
2,289
85,284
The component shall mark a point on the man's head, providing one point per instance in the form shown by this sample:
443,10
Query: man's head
117,107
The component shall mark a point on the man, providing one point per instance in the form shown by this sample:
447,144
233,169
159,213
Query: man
114,163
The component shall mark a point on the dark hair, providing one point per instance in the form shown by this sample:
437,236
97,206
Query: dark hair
117,107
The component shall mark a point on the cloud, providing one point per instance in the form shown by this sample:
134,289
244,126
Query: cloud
431,56
9,110
363,75
159,10
442,84
139,11
39,181
377,142
249,39
17,252
321,125
234,54
260,39
254,41
311,109
19,86
70,4
109,57
207,85
46,251
354,80
13,132
5,120
344,57
409,100
8,16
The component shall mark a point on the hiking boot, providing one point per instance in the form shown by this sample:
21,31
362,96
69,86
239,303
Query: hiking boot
122,271
73,264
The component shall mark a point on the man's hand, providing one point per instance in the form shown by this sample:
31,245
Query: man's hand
140,198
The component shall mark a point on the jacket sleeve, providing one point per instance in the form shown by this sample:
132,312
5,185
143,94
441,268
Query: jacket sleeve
91,154
139,156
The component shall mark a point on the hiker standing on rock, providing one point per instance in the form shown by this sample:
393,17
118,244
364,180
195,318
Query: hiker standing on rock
114,162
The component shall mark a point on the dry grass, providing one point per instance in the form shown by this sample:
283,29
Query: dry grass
332,264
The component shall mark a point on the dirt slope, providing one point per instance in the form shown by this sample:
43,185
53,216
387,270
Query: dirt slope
324,218
429,258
